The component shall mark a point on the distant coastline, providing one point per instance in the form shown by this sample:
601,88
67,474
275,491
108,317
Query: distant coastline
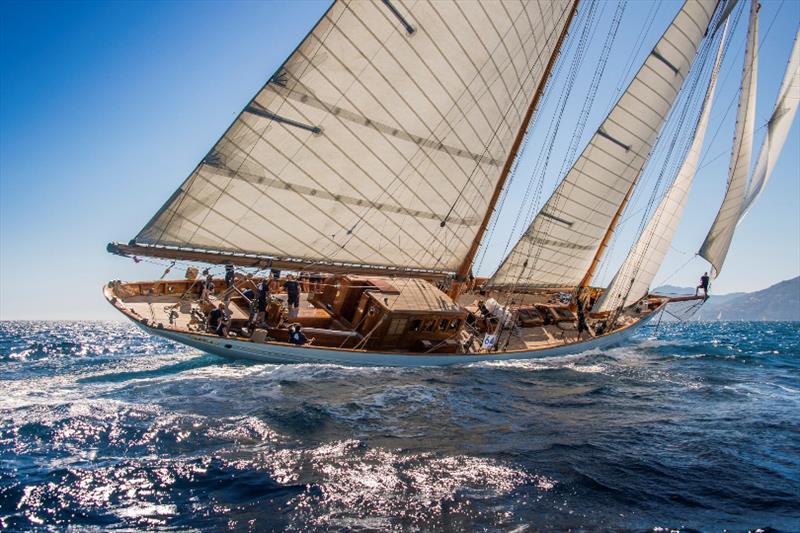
777,303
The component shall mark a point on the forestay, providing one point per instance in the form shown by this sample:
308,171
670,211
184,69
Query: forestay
777,128
559,246
634,277
378,142
716,244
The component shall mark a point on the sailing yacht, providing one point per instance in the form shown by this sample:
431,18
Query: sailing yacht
369,167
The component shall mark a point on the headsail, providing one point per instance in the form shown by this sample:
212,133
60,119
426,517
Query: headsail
715,247
559,246
378,142
777,128
633,278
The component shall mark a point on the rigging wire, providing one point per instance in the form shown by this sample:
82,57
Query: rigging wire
678,138
580,42
553,128
260,136
668,162
531,239
731,69
485,151
442,227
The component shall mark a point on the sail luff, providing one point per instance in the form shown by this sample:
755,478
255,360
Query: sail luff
777,128
717,242
466,264
636,273
561,243
370,136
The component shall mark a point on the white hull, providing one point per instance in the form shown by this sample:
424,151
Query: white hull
281,353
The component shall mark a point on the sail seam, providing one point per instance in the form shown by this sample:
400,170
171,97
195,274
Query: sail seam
399,152
395,131
321,193
337,198
410,108
336,221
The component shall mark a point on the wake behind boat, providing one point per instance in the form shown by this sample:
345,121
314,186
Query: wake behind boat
372,161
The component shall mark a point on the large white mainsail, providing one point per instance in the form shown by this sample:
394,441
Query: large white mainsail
716,244
633,278
378,142
777,128
560,244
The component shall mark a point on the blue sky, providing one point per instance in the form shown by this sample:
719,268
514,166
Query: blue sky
105,107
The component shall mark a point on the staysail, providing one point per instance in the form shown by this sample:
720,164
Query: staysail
716,244
379,140
777,128
560,244
633,278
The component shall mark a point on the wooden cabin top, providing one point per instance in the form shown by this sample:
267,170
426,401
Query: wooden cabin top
408,295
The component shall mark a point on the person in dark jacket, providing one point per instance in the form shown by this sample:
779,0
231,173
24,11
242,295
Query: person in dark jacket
229,275
703,285
263,299
292,292
296,336
217,322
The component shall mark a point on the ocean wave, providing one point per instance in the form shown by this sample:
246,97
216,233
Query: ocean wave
104,427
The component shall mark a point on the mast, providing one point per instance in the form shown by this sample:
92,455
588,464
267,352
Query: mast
574,225
634,276
598,256
466,264
386,120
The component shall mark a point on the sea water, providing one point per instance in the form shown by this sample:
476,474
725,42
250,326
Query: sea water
694,426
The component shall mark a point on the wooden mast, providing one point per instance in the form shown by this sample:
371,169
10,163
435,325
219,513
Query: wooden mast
466,264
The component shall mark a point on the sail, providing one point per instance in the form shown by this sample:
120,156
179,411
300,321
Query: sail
716,244
777,127
378,142
633,278
559,246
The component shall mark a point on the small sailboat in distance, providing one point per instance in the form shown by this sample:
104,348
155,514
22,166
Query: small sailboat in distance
370,164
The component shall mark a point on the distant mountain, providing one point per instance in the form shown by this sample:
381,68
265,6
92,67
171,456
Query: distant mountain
778,302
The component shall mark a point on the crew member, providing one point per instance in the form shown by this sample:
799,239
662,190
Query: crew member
263,299
582,326
229,274
703,285
250,295
296,336
216,320
293,294
208,287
